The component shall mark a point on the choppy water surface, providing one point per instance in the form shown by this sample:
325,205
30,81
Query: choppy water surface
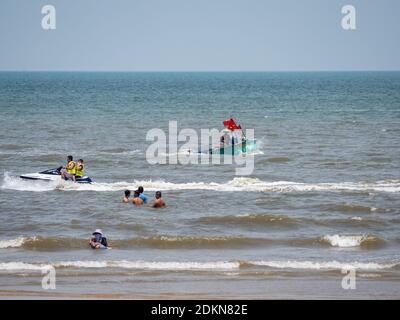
324,194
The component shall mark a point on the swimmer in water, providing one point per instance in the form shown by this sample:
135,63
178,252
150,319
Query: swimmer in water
98,241
142,195
158,202
136,199
127,194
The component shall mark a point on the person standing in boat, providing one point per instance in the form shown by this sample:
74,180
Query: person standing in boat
225,137
68,172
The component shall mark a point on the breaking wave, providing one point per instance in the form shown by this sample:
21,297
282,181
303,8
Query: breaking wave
188,242
158,242
346,241
196,265
243,184
13,243
335,265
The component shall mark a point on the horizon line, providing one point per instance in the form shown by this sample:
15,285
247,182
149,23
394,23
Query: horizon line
219,71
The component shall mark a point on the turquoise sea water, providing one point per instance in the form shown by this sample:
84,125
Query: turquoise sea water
324,194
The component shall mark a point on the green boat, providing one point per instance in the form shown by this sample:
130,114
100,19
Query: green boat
246,146
233,141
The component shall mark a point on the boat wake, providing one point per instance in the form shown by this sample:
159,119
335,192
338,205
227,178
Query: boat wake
243,184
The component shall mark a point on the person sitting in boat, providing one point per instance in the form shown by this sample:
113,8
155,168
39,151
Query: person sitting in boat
224,139
142,195
136,199
127,194
98,241
158,202
68,172
79,167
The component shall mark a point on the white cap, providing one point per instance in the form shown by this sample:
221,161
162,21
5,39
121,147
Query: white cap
98,231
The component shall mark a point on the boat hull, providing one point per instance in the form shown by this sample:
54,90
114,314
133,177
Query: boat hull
248,146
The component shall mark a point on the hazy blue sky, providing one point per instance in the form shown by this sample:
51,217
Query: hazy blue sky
199,35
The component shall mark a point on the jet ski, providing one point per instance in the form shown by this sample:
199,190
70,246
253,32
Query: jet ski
52,175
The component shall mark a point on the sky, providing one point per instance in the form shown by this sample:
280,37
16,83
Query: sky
199,35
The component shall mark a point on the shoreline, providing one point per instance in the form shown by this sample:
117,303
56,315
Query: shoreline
281,289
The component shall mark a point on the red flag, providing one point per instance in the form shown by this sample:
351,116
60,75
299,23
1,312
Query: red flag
231,125
228,123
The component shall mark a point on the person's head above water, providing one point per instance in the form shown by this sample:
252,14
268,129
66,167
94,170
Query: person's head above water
127,193
136,194
98,231
70,158
140,189
158,194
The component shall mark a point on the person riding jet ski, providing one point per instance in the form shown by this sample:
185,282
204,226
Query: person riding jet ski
72,171
68,172
79,167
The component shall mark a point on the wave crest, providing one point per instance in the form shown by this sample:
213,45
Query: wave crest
244,184
188,242
346,241
201,265
13,243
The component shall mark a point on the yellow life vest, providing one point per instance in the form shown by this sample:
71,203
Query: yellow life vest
79,170
71,167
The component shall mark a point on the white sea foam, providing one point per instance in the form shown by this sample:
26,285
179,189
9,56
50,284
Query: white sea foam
12,243
346,241
247,184
19,266
16,183
191,265
218,265
125,153
142,265
324,265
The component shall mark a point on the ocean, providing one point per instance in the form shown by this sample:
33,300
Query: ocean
323,199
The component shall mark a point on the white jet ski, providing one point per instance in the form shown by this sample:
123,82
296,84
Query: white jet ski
52,175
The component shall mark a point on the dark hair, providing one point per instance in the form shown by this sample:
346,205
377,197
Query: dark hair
127,193
70,158
80,160
136,194
140,189
158,193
